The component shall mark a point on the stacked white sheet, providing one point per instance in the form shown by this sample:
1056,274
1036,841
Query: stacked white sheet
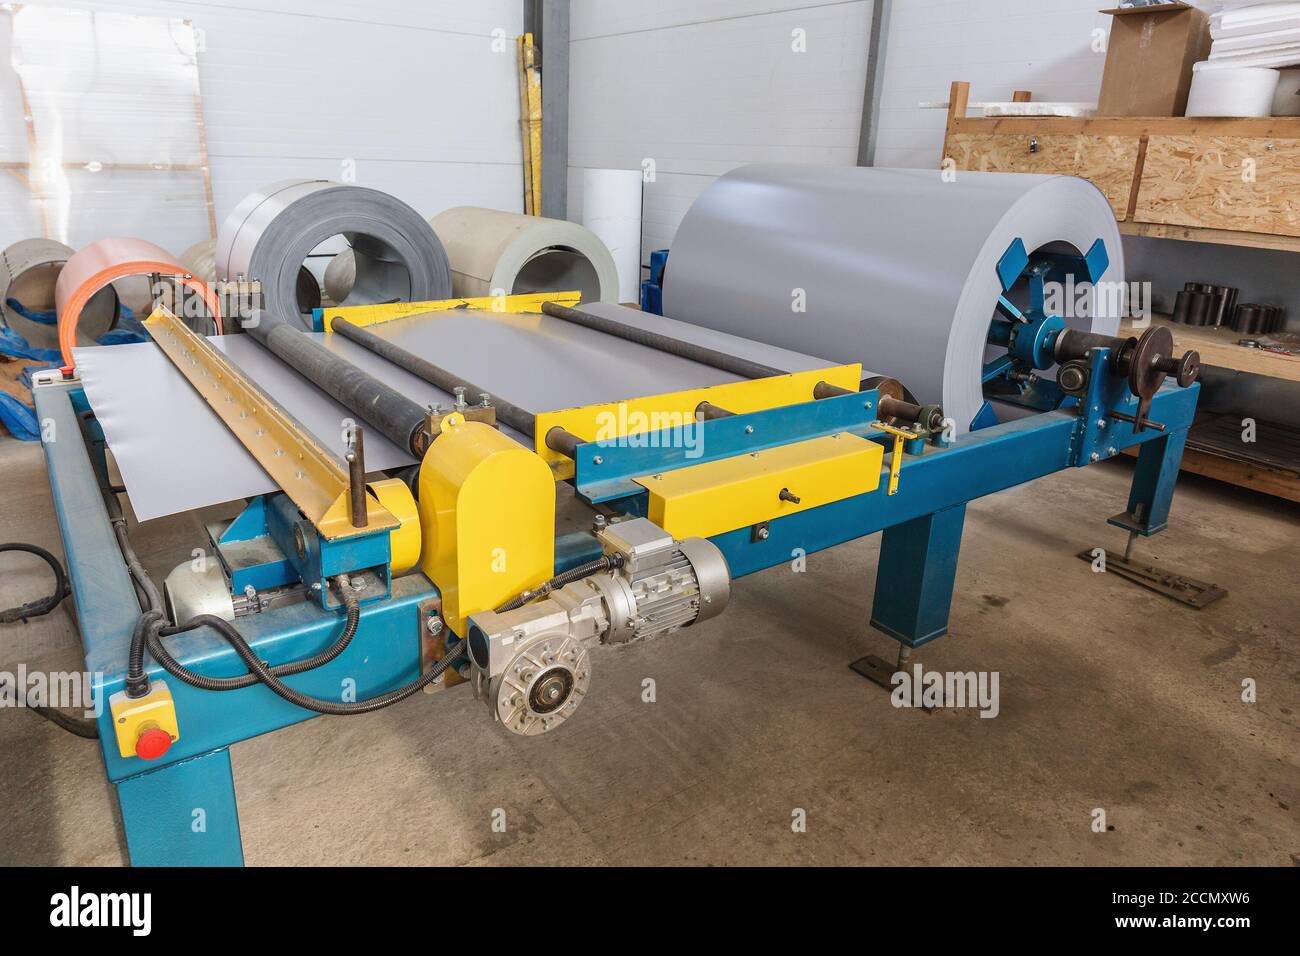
1255,34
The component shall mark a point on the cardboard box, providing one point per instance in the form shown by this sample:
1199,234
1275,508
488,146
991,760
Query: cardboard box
1149,59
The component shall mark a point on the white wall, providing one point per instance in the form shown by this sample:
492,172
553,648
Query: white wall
411,91
703,86
1045,46
999,46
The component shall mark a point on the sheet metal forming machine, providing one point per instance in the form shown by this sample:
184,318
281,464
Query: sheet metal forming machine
452,572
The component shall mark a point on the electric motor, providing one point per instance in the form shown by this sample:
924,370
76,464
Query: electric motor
532,665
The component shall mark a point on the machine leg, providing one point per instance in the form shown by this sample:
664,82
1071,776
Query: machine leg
183,814
1148,513
1153,485
914,583
918,565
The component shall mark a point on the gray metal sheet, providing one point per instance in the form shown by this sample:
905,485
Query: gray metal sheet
897,267
176,455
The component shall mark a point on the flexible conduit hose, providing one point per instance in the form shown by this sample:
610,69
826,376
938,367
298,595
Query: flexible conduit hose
259,672
606,562
46,604
73,725
152,626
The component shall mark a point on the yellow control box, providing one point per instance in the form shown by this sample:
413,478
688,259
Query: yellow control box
146,726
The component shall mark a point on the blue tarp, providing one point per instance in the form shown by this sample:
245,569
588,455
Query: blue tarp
20,419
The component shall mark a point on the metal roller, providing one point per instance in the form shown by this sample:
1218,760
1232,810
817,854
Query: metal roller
895,269
392,414
271,232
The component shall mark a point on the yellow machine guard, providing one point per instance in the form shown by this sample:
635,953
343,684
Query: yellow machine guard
487,512
720,496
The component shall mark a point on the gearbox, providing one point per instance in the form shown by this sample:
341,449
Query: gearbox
532,664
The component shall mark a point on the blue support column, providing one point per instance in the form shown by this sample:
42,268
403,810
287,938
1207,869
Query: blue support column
1154,479
183,814
918,565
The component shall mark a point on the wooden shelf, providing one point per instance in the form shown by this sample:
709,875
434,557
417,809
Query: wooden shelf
1225,181
1219,347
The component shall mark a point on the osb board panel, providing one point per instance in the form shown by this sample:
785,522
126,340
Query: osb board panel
1276,126
1110,162
1207,182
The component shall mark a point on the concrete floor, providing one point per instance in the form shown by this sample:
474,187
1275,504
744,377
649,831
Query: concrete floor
1111,697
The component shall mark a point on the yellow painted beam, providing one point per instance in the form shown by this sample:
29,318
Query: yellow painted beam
528,304
721,496
675,409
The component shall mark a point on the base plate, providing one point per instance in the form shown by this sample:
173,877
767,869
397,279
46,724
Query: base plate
1185,590
879,671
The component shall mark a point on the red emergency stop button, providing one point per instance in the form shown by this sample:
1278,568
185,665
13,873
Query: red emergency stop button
152,744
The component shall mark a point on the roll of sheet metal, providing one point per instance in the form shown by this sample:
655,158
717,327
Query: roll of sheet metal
611,209
269,235
896,269
29,270
101,263
201,260
491,250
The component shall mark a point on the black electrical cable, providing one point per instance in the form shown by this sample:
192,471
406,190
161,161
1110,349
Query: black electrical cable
152,626
607,562
264,675
158,629
46,604
73,725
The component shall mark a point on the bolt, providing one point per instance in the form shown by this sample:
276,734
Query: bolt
484,399
1112,452
599,523
460,397
749,429
1094,457
763,534
598,460
1101,423
434,625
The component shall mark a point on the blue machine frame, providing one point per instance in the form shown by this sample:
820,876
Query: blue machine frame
181,809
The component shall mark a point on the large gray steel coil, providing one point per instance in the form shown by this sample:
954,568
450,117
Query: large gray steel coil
272,231
892,268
